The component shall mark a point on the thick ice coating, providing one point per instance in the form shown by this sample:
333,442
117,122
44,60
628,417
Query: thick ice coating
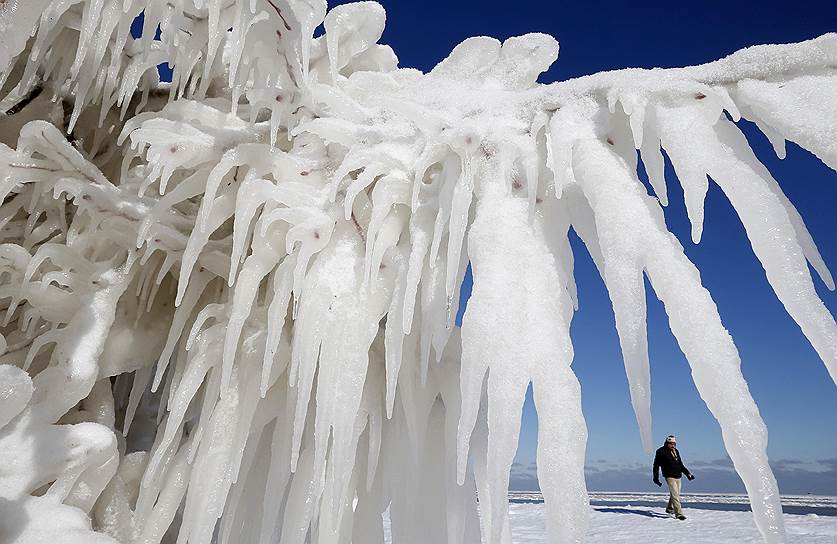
509,257
228,301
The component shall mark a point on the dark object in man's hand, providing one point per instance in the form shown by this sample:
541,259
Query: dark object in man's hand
656,481
690,477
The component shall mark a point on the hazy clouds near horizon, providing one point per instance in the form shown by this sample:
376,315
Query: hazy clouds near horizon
716,476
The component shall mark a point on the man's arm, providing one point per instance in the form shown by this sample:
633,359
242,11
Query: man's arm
685,471
657,469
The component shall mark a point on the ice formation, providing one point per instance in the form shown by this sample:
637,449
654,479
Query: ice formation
229,299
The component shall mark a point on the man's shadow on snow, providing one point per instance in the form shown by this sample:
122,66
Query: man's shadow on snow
645,513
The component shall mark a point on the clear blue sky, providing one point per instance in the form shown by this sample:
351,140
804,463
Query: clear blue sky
796,397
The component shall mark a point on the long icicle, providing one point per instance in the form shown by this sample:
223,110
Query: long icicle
516,329
614,192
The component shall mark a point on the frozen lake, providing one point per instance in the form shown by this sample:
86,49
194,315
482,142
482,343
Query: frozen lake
712,519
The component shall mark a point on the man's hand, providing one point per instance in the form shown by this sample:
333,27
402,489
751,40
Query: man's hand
690,477
657,481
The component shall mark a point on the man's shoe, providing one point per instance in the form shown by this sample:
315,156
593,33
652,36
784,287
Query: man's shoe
681,517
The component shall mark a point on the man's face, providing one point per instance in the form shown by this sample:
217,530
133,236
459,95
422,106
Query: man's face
671,445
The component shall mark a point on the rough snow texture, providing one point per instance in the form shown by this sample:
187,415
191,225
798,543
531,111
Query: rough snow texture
630,518
229,300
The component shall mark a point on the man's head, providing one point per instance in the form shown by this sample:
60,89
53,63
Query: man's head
671,441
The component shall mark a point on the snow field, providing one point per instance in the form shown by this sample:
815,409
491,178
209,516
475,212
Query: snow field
717,519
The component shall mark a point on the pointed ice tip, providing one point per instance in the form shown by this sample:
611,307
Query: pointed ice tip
460,472
697,232
178,299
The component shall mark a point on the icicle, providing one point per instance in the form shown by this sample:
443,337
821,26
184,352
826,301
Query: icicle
652,156
278,476
512,269
170,497
394,334
614,194
189,384
252,194
441,225
205,497
360,184
141,378
420,225
623,276
276,315
257,266
561,144
245,154
389,199
223,210
800,109
181,316
674,122
775,238
324,345
428,168
460,206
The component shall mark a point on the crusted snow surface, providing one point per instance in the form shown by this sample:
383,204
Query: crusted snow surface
633,520
639,517
228,301
649,524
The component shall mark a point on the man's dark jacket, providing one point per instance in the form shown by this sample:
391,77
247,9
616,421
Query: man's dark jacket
672,467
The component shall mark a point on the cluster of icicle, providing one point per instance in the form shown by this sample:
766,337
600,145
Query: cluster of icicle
228,300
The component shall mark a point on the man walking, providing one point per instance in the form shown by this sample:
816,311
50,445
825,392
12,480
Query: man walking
668,459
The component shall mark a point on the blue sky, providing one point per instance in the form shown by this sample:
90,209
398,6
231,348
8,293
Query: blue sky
796,397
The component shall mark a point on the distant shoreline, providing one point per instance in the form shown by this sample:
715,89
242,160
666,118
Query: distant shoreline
820,505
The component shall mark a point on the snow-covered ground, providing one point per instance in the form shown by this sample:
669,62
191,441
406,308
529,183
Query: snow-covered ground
712,519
